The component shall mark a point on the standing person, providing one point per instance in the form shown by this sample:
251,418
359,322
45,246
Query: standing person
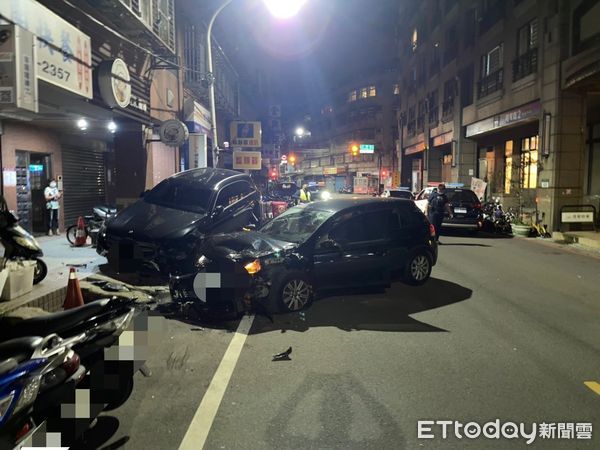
305,194
437,206
52,195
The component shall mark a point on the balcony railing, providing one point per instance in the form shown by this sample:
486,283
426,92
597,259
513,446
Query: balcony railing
525,64
448,110
490,84
420,124
434,115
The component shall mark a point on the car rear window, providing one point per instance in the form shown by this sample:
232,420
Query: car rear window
180,195
462,196
401,194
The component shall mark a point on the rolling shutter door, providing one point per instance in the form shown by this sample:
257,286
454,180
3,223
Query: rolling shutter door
84,182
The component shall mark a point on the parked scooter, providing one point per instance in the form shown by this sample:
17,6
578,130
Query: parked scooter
101,323
19,244
495,218
36,376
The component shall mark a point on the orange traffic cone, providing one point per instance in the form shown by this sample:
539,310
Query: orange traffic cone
80,237
74,296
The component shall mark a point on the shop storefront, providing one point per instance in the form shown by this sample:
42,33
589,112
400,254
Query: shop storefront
508,152
441,158
413,166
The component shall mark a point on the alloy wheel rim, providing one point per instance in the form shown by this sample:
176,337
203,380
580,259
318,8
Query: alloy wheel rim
296,294
419,267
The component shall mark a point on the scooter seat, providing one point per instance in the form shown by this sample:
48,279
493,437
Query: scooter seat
51,323
19,349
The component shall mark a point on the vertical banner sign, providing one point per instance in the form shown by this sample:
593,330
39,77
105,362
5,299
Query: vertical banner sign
64,56
197,145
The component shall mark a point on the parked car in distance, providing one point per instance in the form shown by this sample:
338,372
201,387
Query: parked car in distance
399,193
320,246
465,206
163,229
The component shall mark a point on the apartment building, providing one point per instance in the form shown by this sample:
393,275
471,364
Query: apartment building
483,94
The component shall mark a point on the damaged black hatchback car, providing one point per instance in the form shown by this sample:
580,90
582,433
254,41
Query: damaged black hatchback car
163,229
342,243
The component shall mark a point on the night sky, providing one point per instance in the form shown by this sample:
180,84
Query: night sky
308,56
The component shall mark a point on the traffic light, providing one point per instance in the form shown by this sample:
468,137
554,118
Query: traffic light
354,148
273,173
384,174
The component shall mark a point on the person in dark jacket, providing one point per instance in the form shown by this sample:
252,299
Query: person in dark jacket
437,207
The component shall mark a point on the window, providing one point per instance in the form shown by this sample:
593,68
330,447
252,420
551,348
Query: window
396,89
529,162
414,39
526,61
372,91
374,226
451,48
352,96
492,74
364,93
508,159
233,193
470,22
432,101
492,61
180,195
527,37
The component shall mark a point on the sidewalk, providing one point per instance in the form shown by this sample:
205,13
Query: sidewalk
50,293
586,239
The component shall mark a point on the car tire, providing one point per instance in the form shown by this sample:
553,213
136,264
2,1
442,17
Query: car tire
294,292
418,268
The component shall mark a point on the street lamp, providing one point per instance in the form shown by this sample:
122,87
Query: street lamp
300,131
281,9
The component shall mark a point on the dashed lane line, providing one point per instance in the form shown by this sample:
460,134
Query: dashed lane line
197,432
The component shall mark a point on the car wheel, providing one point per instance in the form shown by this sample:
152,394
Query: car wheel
418,268
294,293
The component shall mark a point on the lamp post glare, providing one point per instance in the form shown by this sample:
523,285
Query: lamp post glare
300,131
281,9
284,9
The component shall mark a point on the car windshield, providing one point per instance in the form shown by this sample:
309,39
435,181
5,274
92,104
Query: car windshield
179,195
462,196
296,224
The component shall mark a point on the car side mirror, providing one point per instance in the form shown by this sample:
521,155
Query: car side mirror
330,244
250,226
217,211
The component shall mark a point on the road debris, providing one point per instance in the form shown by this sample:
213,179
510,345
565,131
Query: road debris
284,356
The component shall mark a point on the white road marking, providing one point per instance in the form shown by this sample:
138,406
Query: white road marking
197,432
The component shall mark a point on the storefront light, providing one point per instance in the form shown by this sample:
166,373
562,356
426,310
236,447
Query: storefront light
112,127
82,124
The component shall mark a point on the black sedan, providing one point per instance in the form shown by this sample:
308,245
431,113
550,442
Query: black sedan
342,243
164,228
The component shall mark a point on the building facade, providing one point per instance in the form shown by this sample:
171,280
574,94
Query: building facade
361,114
485,93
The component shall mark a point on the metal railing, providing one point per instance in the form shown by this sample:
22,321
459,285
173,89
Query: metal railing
490,84
525,64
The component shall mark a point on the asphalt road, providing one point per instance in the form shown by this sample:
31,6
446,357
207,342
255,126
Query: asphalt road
506,329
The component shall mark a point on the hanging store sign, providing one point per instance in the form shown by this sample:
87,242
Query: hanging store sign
367,149
330,171
247,160
173,133
114,82
414,148
524,113
64,56
18,84
246,134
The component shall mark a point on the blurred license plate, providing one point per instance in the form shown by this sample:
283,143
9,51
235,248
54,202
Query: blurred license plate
460,210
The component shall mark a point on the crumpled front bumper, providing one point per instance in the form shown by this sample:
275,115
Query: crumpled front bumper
229,291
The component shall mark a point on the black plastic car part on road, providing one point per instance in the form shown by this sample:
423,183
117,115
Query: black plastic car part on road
317,247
